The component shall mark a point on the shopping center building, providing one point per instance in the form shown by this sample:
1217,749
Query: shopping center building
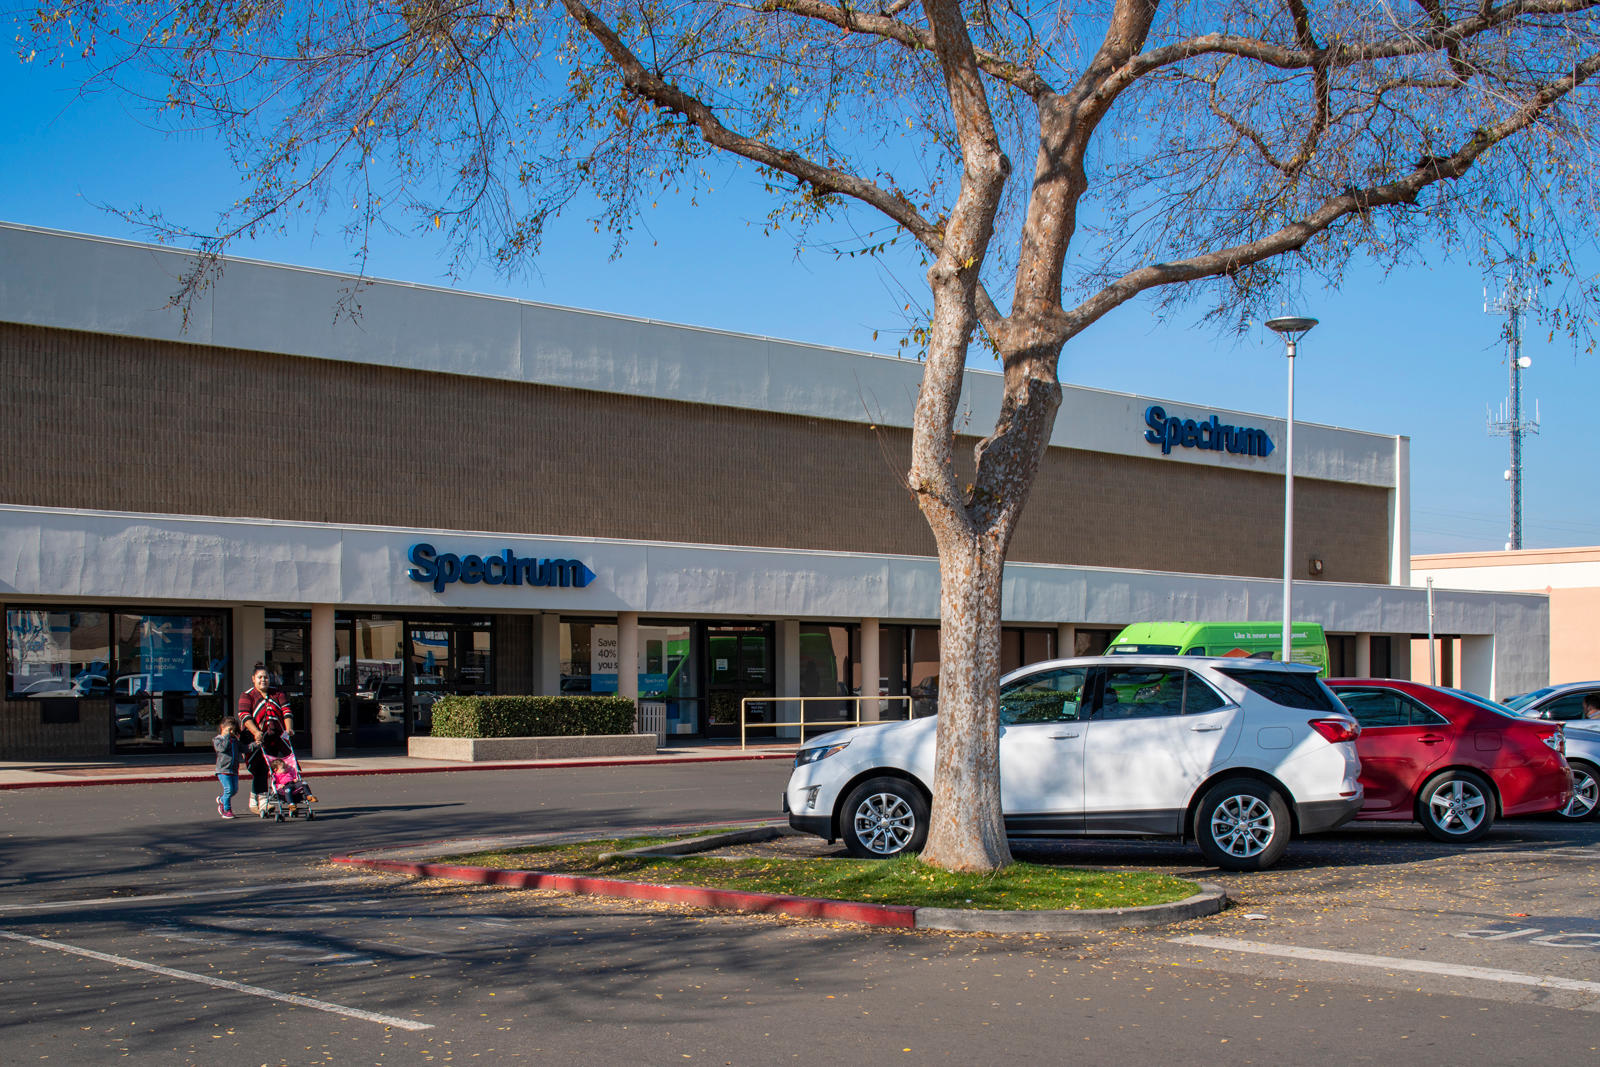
388,492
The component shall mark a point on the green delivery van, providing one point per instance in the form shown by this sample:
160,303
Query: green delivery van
1255,640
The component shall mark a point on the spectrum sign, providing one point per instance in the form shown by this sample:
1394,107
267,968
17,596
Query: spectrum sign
430,566
1210,435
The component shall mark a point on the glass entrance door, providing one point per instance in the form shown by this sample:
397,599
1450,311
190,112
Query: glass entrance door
738,665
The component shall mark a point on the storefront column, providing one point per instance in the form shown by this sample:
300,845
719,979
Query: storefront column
249,645
324,710
870,669
1066,640
1363,655
547,655
1477,665
628,655
787,661
787,683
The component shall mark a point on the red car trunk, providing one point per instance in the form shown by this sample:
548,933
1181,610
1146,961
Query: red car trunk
1429,754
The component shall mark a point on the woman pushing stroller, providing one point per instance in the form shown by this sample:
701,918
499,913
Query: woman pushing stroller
267,720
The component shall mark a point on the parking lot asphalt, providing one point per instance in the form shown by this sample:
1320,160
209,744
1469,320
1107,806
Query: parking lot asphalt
1515,917
135,928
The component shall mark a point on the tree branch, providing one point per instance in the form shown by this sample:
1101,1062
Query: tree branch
1446,37
643,83
1287,238
912,37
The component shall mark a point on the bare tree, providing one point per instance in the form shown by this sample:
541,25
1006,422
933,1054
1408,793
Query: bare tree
1194,150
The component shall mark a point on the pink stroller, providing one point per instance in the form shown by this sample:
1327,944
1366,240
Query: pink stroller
288,795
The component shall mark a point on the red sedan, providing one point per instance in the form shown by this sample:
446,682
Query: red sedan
1448,763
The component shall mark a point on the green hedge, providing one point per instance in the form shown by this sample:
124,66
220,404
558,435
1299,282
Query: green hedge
512,716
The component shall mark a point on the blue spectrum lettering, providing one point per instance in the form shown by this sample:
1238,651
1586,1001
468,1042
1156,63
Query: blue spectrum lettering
441,568
1212,435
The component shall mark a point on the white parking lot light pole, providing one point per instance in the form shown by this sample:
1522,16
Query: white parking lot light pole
1292,327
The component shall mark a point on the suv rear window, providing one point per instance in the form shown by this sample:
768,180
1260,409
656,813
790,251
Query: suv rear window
1290,690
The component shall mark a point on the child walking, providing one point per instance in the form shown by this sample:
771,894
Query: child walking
227,745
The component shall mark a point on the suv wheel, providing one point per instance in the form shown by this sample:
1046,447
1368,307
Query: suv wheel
1456,806
1585,793
1242,825
884,817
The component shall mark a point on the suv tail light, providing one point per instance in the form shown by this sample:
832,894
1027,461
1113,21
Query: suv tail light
1336,730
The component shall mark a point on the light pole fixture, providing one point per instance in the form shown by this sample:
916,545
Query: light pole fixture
1292,327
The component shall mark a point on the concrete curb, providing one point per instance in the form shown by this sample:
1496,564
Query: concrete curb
349,772
1209,901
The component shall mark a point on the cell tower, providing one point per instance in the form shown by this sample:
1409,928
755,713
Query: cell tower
1514,298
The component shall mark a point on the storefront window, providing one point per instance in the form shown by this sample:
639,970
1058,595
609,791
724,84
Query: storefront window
286,660
445,657
590,650
827,669
827,660
924,671
164,665
379,652
1092,642
1018,648
51,654
390,671
669,672
578,657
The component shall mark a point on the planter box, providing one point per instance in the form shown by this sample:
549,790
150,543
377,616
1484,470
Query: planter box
490,749
196,737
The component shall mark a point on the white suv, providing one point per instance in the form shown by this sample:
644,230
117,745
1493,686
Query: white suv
1239,754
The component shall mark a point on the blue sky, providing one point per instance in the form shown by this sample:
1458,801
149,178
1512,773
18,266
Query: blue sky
1412,353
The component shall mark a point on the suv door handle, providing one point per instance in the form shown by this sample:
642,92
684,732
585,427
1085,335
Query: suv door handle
1205,728
1062,737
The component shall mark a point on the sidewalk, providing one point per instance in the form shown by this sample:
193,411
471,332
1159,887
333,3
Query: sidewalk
184,767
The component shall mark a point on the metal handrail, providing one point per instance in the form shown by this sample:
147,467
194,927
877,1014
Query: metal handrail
745,723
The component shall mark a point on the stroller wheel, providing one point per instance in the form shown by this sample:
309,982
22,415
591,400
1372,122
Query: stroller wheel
310,815
279,816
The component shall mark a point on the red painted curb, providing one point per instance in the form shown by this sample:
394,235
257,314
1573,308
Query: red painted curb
895,915
638,761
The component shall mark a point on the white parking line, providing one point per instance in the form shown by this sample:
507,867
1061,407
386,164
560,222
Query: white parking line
223,983
1391,963
193,894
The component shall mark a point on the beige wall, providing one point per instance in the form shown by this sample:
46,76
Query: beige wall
1569,576
1574,635
94,421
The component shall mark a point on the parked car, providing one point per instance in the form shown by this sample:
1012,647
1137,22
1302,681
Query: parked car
1583,756
39,688
1236,754
1559,703
1450,761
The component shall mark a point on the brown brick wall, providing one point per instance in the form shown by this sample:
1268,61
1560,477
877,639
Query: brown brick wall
24,737
127,425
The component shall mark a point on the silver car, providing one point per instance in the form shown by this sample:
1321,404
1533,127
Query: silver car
1583,754
1559,703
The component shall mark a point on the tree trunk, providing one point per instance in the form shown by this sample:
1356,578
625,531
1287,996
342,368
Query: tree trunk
966,830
